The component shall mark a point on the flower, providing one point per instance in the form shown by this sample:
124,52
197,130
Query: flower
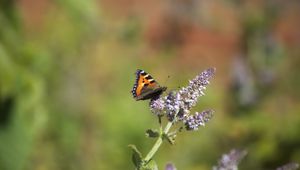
173,105
170,166
157,106
289,166
194,90
177,104
199,119
231,160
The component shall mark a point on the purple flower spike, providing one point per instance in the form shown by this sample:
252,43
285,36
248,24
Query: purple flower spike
199,119
194,90
289,166
170,166
157,106
231,160
173,105
177,104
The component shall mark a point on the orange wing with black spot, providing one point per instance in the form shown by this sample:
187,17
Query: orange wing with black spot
146,87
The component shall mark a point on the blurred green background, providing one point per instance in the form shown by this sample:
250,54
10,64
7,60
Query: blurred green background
67,69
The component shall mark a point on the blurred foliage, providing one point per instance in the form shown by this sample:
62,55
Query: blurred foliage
66,71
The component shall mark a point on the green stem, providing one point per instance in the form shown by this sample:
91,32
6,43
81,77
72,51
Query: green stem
157,143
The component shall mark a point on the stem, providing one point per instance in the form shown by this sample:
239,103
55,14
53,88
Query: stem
157,143
160,125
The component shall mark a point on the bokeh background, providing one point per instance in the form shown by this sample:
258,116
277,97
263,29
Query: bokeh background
67,69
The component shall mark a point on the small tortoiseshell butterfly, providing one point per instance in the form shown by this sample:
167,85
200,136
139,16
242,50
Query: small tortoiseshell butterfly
146,87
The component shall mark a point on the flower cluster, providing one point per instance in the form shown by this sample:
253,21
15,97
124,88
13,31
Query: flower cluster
157,106
173,105
231,160
289,166
170,166
198,119
177,104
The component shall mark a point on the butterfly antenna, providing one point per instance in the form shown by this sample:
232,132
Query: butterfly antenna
167,79
179,87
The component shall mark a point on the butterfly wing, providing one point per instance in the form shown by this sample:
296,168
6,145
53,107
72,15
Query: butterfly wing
145,86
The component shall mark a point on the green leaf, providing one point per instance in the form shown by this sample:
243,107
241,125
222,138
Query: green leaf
170,138
136,157
151,165
152,133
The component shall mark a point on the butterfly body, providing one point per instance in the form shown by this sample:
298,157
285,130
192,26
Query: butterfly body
146,87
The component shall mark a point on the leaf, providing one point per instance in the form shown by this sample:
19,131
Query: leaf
170,138
152,133
151,165
136,157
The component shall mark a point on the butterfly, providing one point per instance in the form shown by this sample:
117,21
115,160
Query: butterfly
146,87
